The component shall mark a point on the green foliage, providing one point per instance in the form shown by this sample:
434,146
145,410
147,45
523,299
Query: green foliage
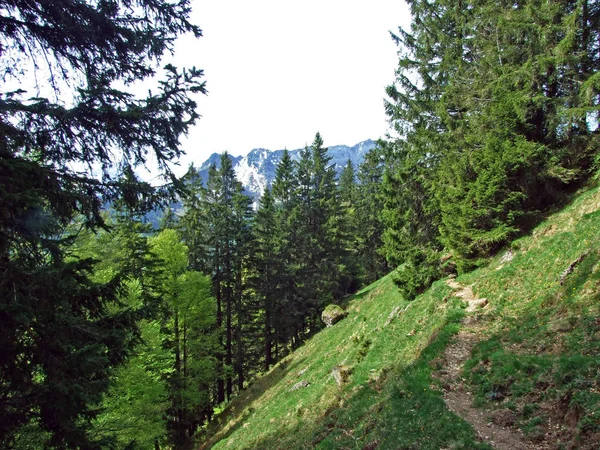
188,325
543,351
389,398
367,211
492,105
411,219
173,365
538,356
133,409
65,151
216,228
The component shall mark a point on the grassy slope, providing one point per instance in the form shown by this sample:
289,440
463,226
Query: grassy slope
542,358
542,353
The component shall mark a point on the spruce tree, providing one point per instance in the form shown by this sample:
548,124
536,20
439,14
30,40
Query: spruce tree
226,218
213,218
369,224
493,103
264,269
325,226
350,265
67,150
193,222
287,238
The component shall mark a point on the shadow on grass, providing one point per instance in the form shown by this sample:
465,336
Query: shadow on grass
402,411
545,362
350,298
239,404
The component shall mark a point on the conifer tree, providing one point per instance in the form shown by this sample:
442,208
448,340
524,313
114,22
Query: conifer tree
369,223
324,225
493,126
264,268
193,223
60,340
286,248
302,260
225,218
350,265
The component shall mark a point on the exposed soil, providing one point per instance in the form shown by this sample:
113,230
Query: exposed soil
494,427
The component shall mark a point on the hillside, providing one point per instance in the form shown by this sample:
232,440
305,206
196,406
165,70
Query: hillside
528,359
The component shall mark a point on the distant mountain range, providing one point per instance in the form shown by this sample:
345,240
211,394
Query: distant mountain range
256,170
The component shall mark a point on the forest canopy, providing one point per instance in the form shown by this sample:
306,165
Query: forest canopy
71,136
497,106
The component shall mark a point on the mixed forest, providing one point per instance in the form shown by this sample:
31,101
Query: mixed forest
118,335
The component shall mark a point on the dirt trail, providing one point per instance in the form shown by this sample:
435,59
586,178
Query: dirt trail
494,427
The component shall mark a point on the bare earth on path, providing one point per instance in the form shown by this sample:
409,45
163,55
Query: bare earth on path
494,427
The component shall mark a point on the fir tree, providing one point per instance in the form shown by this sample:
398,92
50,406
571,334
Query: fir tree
264,268
60,336
286,243
349,227
369,224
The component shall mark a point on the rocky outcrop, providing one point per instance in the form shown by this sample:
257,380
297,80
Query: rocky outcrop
300,385
332,314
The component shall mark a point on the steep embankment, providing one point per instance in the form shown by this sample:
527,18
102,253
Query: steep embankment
521,368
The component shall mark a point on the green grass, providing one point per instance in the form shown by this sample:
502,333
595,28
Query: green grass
390,400
540,357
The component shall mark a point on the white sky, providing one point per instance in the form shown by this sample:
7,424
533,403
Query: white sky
278,71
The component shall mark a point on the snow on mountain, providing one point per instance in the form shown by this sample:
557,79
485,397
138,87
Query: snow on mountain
256,171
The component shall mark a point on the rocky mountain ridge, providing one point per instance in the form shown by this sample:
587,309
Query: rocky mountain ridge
256,171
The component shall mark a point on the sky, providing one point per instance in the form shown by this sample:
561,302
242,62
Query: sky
278,71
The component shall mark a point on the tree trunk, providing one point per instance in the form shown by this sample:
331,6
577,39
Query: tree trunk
228,325
268,338
238,330
220,381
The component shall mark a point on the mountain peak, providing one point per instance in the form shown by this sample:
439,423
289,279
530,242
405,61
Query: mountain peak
256,171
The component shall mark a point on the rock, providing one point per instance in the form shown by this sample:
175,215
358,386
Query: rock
302,372
332,314
571,267
300,384
507,257
341,374
477,304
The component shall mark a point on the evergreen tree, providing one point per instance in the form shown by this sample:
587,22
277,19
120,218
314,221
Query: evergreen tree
286,244
60,335
225,218
168,219
264,269
347,184
213,220
193,223
350,265
302,267
493,126
369,224
316,217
